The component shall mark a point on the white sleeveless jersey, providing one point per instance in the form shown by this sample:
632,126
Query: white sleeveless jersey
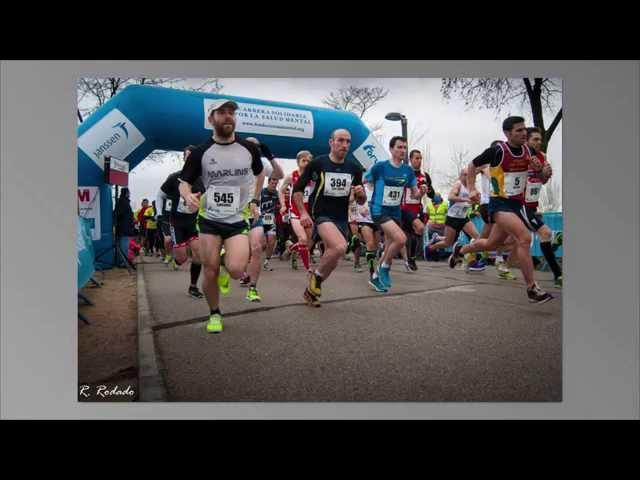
460,209
485,189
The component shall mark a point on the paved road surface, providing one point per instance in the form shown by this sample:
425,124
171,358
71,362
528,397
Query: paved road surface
439,335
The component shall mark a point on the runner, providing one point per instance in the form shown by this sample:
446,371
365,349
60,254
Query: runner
165,226
262,236
509,162
355,240
370,233
334,178
304,234
532,196
457,217
232,175
182,224
412,212
390,178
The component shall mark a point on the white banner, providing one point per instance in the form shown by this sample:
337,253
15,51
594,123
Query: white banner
370,152
269,120
89,207
114,135
119,165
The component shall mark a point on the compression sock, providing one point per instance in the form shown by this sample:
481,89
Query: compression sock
195,273
547,250
304,254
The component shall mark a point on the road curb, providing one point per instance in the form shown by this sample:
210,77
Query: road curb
150,382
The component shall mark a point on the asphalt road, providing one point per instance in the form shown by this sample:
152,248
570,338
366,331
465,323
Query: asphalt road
439,335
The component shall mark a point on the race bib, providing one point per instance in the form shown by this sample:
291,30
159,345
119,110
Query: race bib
408,199
167,205
337,184
514,183
391,196
183,208
267,218
533,192
223,201
308,190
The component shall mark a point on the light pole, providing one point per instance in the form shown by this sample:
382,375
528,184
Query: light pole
394,117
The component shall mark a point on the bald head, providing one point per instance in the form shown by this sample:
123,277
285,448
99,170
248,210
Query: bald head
340,142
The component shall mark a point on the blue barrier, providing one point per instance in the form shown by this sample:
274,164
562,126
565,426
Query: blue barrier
85,252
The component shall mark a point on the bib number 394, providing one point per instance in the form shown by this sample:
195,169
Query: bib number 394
223,201
337,185
391,196
514,183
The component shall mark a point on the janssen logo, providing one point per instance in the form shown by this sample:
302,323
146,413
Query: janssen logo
107,144
121,125
113,140
369,149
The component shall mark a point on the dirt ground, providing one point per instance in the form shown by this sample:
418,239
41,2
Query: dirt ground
108,346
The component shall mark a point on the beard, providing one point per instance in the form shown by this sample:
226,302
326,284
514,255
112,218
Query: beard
224,130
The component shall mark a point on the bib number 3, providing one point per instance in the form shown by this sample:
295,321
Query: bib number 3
337,185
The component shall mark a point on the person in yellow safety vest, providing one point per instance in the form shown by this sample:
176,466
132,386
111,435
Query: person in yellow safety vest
437,209
151,230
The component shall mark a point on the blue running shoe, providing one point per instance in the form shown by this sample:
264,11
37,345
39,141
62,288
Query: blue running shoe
383,276
377,285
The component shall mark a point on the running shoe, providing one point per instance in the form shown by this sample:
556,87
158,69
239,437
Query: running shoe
413,265
506,275
558,282
477,266
174,265
385,278
377,285
252,295
313,259
224,281
454,258
266,266
215,323
311,299
167,259
245,281
195,293
315,285
407,267
357,269
537,295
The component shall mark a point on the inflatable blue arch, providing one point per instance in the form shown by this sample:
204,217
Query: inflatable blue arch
141,119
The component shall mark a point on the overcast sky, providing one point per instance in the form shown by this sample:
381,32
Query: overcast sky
447,125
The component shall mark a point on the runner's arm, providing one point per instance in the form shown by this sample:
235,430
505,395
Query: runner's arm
359,194
454,192
277,169
285,185
297,195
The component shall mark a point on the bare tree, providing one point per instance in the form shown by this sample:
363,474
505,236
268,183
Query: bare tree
355,99
499,93
95,92
446,178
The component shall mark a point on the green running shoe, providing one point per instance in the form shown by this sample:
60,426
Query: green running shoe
506,275
558,282
252,295
167,259
224,281
215,323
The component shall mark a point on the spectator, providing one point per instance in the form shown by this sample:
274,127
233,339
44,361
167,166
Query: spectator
437,210
151,229
142,223
124,224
